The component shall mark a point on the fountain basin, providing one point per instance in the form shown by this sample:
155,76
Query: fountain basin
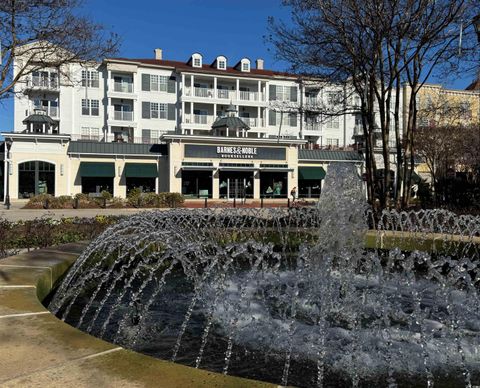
39,349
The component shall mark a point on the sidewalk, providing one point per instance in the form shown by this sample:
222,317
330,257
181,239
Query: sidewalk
16,213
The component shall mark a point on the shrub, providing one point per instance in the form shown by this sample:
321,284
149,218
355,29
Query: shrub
106,195
173,199
133,197
38,201
117,203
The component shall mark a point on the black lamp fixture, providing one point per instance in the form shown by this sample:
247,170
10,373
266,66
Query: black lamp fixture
8,145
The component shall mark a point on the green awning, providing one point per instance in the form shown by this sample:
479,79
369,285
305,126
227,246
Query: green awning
311,173
97,169
141,170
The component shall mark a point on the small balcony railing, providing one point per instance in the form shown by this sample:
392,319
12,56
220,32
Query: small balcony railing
199,119
43,83
250,121
226,94
313,127
122,115
248,96
203,92
123,87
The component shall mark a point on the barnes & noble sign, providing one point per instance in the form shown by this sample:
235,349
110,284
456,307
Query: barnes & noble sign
234,152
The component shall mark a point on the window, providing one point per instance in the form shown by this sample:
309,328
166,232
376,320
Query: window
245,66
158,111
334,98
158,83
90,107
150,136
333,123
197,62
90,78
89,133
222,64
332,142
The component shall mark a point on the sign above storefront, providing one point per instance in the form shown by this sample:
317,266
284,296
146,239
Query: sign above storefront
234,152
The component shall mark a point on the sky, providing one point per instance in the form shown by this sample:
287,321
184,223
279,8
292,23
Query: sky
235,29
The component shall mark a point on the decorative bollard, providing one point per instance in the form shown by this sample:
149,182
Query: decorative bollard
104,205
261,202
234,201
75,203
288,202
206,205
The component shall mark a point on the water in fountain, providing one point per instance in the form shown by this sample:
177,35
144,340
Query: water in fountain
289,296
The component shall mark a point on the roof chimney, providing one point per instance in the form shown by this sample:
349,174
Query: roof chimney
259,64
158,53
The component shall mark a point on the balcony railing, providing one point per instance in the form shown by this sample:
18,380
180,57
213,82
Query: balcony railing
43,83
199,119
250,121
123,87
122,115
248,96
226,94
313,127
51,111
116,138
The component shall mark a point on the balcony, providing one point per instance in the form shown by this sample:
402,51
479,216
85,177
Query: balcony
226,94
199,119
313,127
252,122
123,87
43,83
122,115
248,96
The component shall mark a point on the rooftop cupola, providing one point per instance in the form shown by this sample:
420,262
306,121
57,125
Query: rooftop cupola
40,122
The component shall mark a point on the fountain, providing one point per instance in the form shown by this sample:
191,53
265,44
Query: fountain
287,296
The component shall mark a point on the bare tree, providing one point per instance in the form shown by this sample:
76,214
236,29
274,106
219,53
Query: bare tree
35,34
376,46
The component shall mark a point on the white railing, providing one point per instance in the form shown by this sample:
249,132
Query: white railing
248,96
43,83
226,94
203,92
250,121
198,119
313,127
51,111
123,87
122,115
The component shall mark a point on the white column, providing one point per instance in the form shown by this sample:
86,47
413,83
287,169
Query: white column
192,93
214,87
214,111
259,123
238,89
183,84
259,85
191,113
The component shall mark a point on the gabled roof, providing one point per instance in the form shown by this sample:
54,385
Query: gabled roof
206,68
39,118
328,155
230,122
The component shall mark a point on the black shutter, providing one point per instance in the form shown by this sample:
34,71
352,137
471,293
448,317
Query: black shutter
272,117
293,119
171,112
146,82
171,86
145,110
272,92
293,93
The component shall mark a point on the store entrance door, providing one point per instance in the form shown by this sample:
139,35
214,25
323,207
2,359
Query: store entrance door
236,184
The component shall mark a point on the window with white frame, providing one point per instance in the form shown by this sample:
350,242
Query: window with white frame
333,122
334,98
158,111
150,136
90,133
332,142
222,64
90,107
90,78
197,62
158,83
245,66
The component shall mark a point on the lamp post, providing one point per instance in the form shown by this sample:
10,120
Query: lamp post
8,145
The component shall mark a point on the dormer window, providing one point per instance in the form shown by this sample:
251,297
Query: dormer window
243,65
197,60
220,62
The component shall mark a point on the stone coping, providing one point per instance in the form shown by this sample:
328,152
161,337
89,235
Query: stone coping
38,349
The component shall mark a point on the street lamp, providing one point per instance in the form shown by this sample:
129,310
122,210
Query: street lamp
8,144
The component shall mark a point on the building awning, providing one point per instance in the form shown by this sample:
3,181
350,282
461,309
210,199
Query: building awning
312,173
97,169
141,170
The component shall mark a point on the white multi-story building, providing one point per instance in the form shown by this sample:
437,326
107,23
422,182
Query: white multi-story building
138,100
